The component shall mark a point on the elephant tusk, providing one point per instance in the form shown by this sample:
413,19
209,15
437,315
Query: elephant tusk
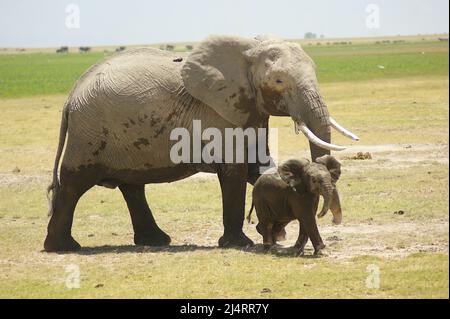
296,129
343,130
314,139
321,214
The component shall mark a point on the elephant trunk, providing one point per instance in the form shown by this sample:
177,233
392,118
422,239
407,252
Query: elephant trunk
327,194
335,207
313,120
322,132
318,119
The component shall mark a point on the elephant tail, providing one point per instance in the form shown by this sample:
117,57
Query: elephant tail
54,187
249,216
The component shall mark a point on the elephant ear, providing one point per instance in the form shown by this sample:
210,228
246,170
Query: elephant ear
332,164
292,172
216,73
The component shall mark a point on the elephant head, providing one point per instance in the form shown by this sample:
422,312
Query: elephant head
240,77
293,172
319,178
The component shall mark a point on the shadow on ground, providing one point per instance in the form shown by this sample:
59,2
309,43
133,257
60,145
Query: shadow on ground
276,250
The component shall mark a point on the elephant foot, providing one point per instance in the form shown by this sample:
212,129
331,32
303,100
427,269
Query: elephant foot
154,238
58,243
235,240
300,253
318,250
300,244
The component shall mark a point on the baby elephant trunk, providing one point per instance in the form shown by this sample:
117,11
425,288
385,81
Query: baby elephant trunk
327,194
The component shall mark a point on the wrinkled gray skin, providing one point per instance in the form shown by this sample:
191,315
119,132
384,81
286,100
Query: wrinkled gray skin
120,113
292,192
318,178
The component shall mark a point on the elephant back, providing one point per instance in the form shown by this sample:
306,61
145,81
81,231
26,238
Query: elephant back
133,76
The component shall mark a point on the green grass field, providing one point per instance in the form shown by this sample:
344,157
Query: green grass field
401,115
49,73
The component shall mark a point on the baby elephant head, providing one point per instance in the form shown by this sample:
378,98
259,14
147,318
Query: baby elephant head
293,173
323,176
319,178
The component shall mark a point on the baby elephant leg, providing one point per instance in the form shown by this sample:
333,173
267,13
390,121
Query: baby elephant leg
267,229
302,239
313,234
308,221
279,232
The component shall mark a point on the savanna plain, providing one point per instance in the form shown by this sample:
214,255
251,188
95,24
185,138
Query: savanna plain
393,242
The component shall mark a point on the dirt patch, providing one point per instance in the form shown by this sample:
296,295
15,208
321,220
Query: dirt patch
396,239
346,241
387,240
359,156
397,156
18,179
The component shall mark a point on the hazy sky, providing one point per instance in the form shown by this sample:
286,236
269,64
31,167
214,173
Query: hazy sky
45,23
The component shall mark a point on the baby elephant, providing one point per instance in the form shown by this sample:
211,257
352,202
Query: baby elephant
292,192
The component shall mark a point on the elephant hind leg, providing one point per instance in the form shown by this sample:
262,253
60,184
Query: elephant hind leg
146,231
279,231
73,184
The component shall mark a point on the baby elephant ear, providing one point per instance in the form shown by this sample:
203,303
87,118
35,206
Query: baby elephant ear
292,172
332,164
287,177
216,73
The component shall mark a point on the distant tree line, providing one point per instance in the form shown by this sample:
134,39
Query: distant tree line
310,35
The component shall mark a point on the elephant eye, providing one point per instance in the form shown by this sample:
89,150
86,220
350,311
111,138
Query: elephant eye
273,54
279,81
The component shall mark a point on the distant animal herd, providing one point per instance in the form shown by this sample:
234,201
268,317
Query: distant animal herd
190,47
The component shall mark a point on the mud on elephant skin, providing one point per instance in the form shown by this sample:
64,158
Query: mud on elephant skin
119,116
292,193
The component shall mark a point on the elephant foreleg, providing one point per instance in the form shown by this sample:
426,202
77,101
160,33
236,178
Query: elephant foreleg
146,231
233,183
268,240
253,173
302,239
308,221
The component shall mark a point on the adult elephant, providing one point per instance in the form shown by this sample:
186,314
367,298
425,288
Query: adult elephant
119,116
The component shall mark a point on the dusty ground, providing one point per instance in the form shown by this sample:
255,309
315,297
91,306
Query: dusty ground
391,239
382,240
348,240
408,172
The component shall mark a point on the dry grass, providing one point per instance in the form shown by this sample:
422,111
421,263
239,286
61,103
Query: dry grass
402,122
